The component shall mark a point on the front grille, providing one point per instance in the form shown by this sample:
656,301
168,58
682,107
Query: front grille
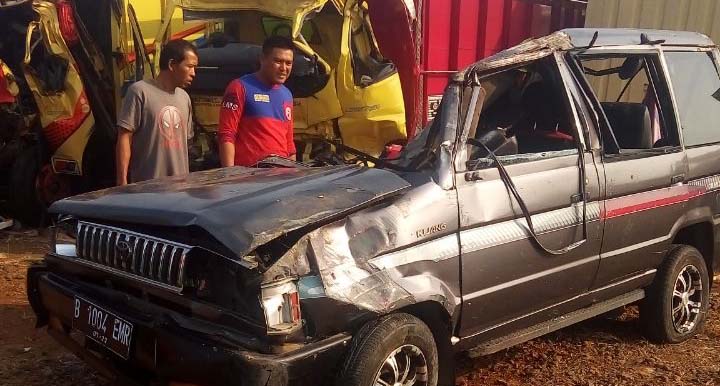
151,258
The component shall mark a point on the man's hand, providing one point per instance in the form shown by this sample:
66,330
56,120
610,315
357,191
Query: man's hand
122,155
227,154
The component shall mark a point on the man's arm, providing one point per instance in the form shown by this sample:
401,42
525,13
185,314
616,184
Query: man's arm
227,154
122,155
230,115
129,120
291,139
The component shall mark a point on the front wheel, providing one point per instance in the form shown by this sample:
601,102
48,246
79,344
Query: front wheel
676,304
398,349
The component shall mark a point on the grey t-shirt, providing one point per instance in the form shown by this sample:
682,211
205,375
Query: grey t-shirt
161,123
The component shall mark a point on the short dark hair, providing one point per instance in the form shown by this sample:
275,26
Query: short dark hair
175,50
277,41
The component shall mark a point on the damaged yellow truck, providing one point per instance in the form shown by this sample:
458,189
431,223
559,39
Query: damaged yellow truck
345,90
67,62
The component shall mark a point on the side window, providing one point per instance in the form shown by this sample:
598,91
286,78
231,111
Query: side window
369,66
525,115
634,100
283,27
696,84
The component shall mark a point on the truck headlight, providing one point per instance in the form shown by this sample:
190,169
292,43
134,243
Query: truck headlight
63,236
281,304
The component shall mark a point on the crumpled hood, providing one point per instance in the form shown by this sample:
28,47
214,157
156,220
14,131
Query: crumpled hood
241,207
295,10
282,8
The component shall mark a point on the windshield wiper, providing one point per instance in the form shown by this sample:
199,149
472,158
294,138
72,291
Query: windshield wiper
379,162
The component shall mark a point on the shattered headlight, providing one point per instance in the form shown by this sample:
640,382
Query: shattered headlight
63,236
281,304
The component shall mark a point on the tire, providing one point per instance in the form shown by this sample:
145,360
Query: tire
671,291
25,204
401,337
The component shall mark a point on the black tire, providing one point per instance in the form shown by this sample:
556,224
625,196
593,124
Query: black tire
660,323
25,205
403,334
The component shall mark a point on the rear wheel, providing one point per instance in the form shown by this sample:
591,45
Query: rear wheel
676,303
398,349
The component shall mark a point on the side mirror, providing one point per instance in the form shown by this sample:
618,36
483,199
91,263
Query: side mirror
631,66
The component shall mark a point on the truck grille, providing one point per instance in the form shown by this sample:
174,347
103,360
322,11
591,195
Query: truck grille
160,261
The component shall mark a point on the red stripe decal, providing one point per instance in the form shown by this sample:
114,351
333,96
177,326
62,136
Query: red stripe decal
633,203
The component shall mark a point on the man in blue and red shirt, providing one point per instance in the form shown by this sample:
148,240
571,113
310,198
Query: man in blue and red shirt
256,116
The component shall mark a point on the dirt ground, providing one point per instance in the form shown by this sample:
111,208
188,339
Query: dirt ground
593,353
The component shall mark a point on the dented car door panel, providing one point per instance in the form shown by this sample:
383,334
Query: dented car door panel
495,239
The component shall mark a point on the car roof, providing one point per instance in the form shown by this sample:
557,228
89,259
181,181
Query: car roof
567,39
581,37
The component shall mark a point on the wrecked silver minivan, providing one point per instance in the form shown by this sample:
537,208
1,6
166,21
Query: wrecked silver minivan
563,178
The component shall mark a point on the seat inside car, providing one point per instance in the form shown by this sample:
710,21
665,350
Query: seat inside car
630,122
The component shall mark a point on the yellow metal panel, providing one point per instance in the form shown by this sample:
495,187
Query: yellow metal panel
149,15
373,115
73,148
281,8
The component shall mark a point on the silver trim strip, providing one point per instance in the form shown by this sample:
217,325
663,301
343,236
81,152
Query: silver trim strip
443,248
120,273
710,183
532,277
493,235
633,247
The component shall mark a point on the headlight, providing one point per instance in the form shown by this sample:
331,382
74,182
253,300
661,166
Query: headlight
281,303
63,236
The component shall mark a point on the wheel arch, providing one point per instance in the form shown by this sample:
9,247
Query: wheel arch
701,236
437,318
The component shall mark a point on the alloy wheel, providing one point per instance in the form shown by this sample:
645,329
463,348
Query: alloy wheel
687,299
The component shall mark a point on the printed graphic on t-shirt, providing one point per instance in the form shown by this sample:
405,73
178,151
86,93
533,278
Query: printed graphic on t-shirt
171,127
265,98
288,111
230,102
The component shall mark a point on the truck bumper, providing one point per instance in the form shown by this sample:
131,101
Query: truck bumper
171,347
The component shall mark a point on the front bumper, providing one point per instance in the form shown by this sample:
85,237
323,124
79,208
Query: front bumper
168,346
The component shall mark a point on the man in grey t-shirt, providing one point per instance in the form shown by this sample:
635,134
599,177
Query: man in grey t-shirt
155,120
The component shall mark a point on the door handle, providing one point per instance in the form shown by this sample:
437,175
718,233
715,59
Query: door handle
577,198
677,179
472,176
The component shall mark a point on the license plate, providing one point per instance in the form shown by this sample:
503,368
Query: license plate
102,326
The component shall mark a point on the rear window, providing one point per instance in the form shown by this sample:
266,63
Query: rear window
696,84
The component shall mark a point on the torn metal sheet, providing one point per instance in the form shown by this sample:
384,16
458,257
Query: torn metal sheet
527,51
360,260
241,207
282,8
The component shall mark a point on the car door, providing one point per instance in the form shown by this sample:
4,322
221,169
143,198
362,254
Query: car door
368,87
644,162
508,281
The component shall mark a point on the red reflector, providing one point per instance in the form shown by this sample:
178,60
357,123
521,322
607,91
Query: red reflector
65,166
66,17
295,306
